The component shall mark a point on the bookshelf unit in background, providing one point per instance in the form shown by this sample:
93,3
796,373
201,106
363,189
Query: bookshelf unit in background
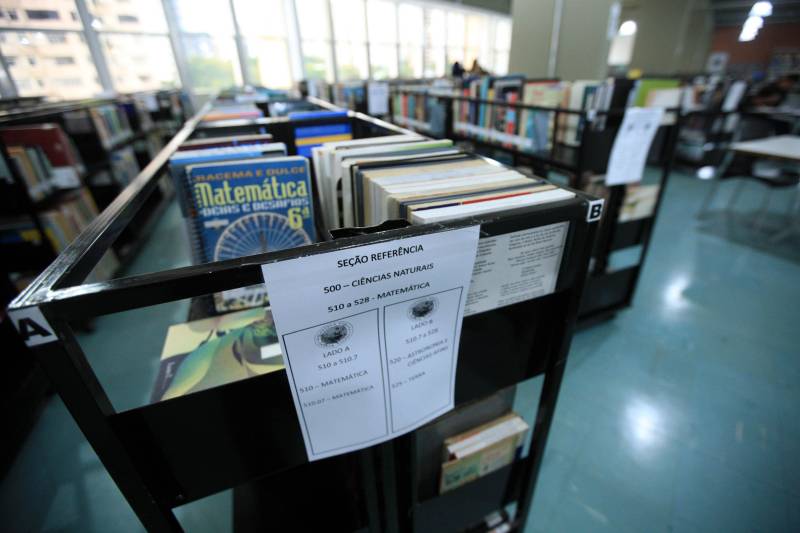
159,464
573,147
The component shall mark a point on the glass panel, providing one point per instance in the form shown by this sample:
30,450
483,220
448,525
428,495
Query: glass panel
351,60
131,15
503,34
54,14
312,16
410,24
501,63
384,60
456,53
348,21
435,62
268,63
213,16
140,62
317,60
212,62
55,64
261,17
478,47
455,31
434,27
410,61
382,22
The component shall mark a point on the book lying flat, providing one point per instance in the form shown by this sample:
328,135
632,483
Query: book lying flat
215,351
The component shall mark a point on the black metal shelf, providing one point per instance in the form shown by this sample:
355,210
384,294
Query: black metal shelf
246,434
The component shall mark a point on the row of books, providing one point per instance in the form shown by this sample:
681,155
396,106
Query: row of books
242,196
61,223
112,124
536,130
45,157
365,182
231,111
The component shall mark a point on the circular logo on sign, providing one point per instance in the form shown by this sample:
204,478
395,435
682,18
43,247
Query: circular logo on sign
423,308
333,334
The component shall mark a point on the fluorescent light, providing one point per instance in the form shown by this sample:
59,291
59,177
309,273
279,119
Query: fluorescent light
753,22
627,28
747,35
761,9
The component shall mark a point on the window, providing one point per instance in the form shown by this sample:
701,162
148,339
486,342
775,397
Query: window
502,45
137,15
207,37
263,23
41,14
410,26
477,42
382,27
435,57
55,14
139,62
42,67
350,37
315,37
455,38
57,37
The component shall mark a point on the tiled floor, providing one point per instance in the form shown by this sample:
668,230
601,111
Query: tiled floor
681,414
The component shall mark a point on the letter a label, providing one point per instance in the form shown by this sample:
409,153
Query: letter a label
32,326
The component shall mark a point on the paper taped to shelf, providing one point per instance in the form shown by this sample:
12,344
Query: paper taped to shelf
632,144
377,98
515,267
370,336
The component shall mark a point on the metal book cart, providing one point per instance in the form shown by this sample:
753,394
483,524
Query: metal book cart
609,287
246,434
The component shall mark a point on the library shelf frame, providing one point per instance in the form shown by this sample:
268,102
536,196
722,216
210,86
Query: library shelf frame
173,452
608,290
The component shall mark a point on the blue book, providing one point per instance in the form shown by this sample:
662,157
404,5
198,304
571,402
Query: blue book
181,160
250,207
243,208
324,113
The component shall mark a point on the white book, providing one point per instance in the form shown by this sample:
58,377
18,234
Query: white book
348,215
440,214
389,200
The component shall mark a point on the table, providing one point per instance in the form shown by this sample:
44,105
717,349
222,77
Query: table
782,148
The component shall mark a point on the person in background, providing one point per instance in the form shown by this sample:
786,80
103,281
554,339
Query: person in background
476,69
774,93
457,71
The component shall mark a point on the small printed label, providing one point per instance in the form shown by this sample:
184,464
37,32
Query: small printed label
515,267
595,210
32,326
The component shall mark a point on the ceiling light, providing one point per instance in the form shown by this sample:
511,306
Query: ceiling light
748,35
753,22
761,9
627,28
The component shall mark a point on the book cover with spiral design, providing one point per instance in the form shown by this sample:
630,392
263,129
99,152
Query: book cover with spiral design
249,207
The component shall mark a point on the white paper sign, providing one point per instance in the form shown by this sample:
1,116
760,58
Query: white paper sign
370,336
377,98
515,267
635,135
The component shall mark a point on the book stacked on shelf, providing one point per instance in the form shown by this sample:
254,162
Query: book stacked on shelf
481,451
215,351
351,95
111,123
309,137
365,182
231,111
45,156
124,165
61,223
243,200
